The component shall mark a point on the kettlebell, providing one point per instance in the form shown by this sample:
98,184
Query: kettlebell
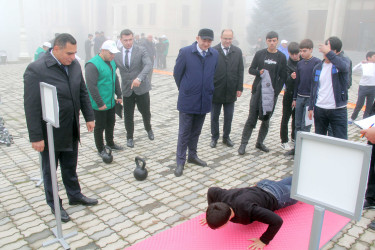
140,172
108,158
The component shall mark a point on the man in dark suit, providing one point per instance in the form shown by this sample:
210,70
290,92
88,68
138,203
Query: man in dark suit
194,75
59,68
228,82
135,66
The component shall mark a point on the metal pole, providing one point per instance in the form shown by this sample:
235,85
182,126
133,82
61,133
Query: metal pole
316,228
56,201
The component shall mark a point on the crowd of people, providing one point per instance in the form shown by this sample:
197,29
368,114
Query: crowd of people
209,79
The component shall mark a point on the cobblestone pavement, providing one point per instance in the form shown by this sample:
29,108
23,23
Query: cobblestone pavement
128,210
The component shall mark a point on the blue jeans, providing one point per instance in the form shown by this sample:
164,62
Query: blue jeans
280,189
228,117
301,104
336,118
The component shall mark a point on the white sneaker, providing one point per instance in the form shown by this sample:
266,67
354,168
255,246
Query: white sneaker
286,146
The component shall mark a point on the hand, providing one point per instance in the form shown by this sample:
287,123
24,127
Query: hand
257,244
119,101
90,126
293,104
135,83
325,48
261,71
104,107
293,75
369,134
38,146
239,93
203,222
311,114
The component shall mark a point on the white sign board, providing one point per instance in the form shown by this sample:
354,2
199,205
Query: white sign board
50,105
331,173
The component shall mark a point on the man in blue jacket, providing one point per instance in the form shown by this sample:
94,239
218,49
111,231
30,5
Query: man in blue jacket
329,94
194,75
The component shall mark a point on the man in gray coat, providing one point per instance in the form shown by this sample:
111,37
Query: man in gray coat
228,83
135,67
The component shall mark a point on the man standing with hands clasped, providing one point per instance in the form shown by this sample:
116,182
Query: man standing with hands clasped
228,82
194,75
102,83
59,68
135,67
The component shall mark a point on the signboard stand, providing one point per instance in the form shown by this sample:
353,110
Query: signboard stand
316,228
50,110
330,174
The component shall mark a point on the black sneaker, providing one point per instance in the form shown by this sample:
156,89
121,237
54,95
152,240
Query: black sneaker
290,152
262,147
116,147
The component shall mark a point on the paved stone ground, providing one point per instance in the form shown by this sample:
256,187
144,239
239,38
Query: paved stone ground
128,210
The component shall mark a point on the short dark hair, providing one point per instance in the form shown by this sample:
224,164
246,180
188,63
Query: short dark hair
293,48
64,38
370,54
306,44
126,32
335,42
217,214
90,35
272,34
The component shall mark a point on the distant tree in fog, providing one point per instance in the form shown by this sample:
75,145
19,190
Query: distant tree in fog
270,15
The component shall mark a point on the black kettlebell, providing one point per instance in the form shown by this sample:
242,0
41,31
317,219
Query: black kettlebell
140,172
108,157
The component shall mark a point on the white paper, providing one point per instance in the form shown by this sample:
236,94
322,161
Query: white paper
308,122
368,69
366,123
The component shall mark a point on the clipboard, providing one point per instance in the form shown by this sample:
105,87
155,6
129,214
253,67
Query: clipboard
365,123
118,109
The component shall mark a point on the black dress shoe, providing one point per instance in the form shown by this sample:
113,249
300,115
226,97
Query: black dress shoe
372,225
262,147
197,161
130,143
241,149
228,142
150,135
369,205
116,147
213,143
64,215
83,200
179,170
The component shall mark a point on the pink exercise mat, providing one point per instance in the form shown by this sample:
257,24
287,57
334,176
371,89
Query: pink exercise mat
294,233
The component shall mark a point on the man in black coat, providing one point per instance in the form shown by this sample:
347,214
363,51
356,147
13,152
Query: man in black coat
228,81
88,46
275,62
59,68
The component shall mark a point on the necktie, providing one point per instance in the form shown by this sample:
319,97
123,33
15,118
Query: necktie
204,53
65,68
127,59
226,50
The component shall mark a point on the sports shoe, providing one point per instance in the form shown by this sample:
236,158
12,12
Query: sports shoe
350,121
286,146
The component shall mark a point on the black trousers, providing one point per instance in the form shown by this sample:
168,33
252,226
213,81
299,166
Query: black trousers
370,191
287,113
68,165
143,105
104,122
252,120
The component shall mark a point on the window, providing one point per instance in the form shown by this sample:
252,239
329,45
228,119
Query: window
185,15
140,14
152,13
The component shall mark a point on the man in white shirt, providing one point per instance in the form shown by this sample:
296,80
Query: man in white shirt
329,93
366,88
